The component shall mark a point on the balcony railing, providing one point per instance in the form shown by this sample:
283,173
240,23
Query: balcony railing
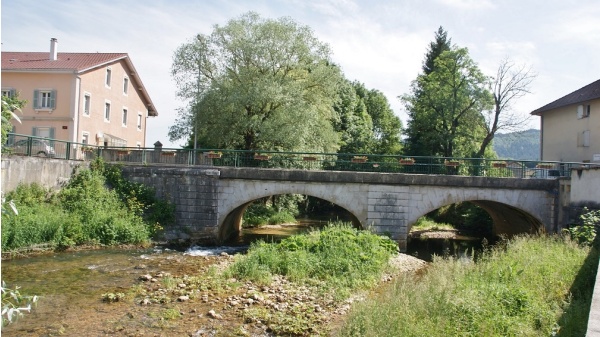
52,148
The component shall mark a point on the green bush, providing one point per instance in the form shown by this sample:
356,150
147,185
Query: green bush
585,232
85,211
341,256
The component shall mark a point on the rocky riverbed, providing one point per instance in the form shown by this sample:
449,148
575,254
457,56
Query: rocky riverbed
234,307
178,295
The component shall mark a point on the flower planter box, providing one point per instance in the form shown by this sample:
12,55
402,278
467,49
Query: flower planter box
213,155
498,165
309,158
406,162
359,160
121,153
452,163
168,154
261,157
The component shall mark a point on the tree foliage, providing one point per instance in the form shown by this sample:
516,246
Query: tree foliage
10,105
257,83
445,107
440,44
366,122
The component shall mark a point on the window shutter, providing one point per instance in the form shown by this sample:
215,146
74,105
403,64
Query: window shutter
53,99
34,131
13,93
580,111
36,99
586,138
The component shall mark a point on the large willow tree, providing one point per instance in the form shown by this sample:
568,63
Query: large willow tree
257,84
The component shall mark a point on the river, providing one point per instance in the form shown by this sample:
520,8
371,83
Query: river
71,283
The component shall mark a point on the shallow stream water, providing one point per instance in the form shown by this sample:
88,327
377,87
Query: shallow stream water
71,284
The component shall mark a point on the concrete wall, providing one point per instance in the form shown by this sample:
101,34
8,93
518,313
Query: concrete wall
584,192
51,173
585,187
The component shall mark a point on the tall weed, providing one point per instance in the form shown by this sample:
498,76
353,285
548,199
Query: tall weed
521,289
341,256
84,211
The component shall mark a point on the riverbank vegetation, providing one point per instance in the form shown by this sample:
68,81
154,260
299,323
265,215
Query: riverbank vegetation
528,286
85,211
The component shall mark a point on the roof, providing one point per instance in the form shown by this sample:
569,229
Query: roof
587,93
72,62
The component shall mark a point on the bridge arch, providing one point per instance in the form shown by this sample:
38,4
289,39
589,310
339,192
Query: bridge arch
512,211
236,199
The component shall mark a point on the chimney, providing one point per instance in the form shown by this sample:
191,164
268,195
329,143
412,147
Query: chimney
53,49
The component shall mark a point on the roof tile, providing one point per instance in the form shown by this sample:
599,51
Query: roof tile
587,93
76,62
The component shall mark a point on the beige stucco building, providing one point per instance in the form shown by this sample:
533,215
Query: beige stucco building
570,126
92,98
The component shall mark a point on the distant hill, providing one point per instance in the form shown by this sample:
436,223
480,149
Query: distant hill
524,145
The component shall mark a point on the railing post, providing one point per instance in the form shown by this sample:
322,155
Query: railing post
68,151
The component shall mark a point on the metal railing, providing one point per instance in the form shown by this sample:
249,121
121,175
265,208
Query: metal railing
37,146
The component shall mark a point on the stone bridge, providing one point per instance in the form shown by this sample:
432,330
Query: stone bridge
210,201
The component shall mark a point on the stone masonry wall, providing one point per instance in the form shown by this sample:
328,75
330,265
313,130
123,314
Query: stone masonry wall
194,191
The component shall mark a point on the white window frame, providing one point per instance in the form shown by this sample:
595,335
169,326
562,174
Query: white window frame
107,110
108,77
139,121
125,85
124,117
8,92
583,111
87,104
44,99
85,138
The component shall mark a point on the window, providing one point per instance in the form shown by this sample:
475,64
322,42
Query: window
8,92
108,76
583,139
43,132
44,99
86,104
139,121
125,85
85,138
583,111
124,117
107,111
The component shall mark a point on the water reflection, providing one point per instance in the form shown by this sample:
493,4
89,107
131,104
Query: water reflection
463,248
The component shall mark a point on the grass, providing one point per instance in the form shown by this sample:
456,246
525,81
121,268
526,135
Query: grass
334,261
426,224
531,286
342,257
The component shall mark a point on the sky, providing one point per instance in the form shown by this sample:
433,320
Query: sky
379,43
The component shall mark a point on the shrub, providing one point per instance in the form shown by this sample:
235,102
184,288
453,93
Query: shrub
84,211
339,255
585,232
